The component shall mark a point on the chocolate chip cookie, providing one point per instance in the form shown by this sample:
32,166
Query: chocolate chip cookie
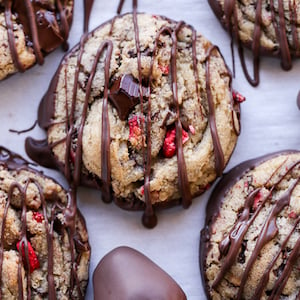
142,280
44,249
143,109
266,27
251,241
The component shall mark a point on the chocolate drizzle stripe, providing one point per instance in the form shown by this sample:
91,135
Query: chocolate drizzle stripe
34,33
218,152
105,141
10,36
182,172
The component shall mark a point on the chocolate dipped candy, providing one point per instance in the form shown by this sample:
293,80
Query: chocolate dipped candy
125,273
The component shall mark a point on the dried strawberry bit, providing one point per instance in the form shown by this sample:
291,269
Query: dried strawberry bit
32,258
38,216
164,69
238,97
135,132
257,200
293,215
169,146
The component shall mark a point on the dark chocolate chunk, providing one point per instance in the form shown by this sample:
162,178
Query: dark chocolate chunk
124,94
125,274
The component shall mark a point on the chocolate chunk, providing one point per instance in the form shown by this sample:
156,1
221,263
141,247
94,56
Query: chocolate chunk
124,94
125,273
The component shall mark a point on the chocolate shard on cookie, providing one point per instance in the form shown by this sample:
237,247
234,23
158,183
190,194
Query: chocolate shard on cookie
266,27
250,244
44,248
30,30
142,108
125,273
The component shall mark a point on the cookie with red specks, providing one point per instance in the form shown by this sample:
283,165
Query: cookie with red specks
143,109
30,30
44,249
265,27
251,240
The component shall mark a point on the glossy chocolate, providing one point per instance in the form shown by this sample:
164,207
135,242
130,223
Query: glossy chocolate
127,274
45,25
16,163
124,94
229,18
231,245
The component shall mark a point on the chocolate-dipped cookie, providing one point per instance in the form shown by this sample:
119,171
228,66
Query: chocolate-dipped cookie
143,109
44,249
125,273
266,27
250,244
31,29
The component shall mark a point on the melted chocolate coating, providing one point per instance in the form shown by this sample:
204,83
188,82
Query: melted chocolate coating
125,94
127,274
15,162
229,20
231,245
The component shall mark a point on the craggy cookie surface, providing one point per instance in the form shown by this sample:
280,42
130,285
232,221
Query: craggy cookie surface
29,30
266,27
44,249
143,109
251,241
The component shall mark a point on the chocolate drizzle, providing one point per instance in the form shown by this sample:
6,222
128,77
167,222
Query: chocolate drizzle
124,93
45,26
230,246
48,211
229,17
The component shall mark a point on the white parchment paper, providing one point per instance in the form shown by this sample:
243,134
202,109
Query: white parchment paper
270,121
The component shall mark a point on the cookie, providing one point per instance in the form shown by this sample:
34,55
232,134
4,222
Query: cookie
44,249
30,30
250,244
143,279
265,27
143,109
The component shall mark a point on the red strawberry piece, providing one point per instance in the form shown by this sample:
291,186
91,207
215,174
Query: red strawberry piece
38,216
257,200
135,132
293,215
169,147
164,69
33,260
238,97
